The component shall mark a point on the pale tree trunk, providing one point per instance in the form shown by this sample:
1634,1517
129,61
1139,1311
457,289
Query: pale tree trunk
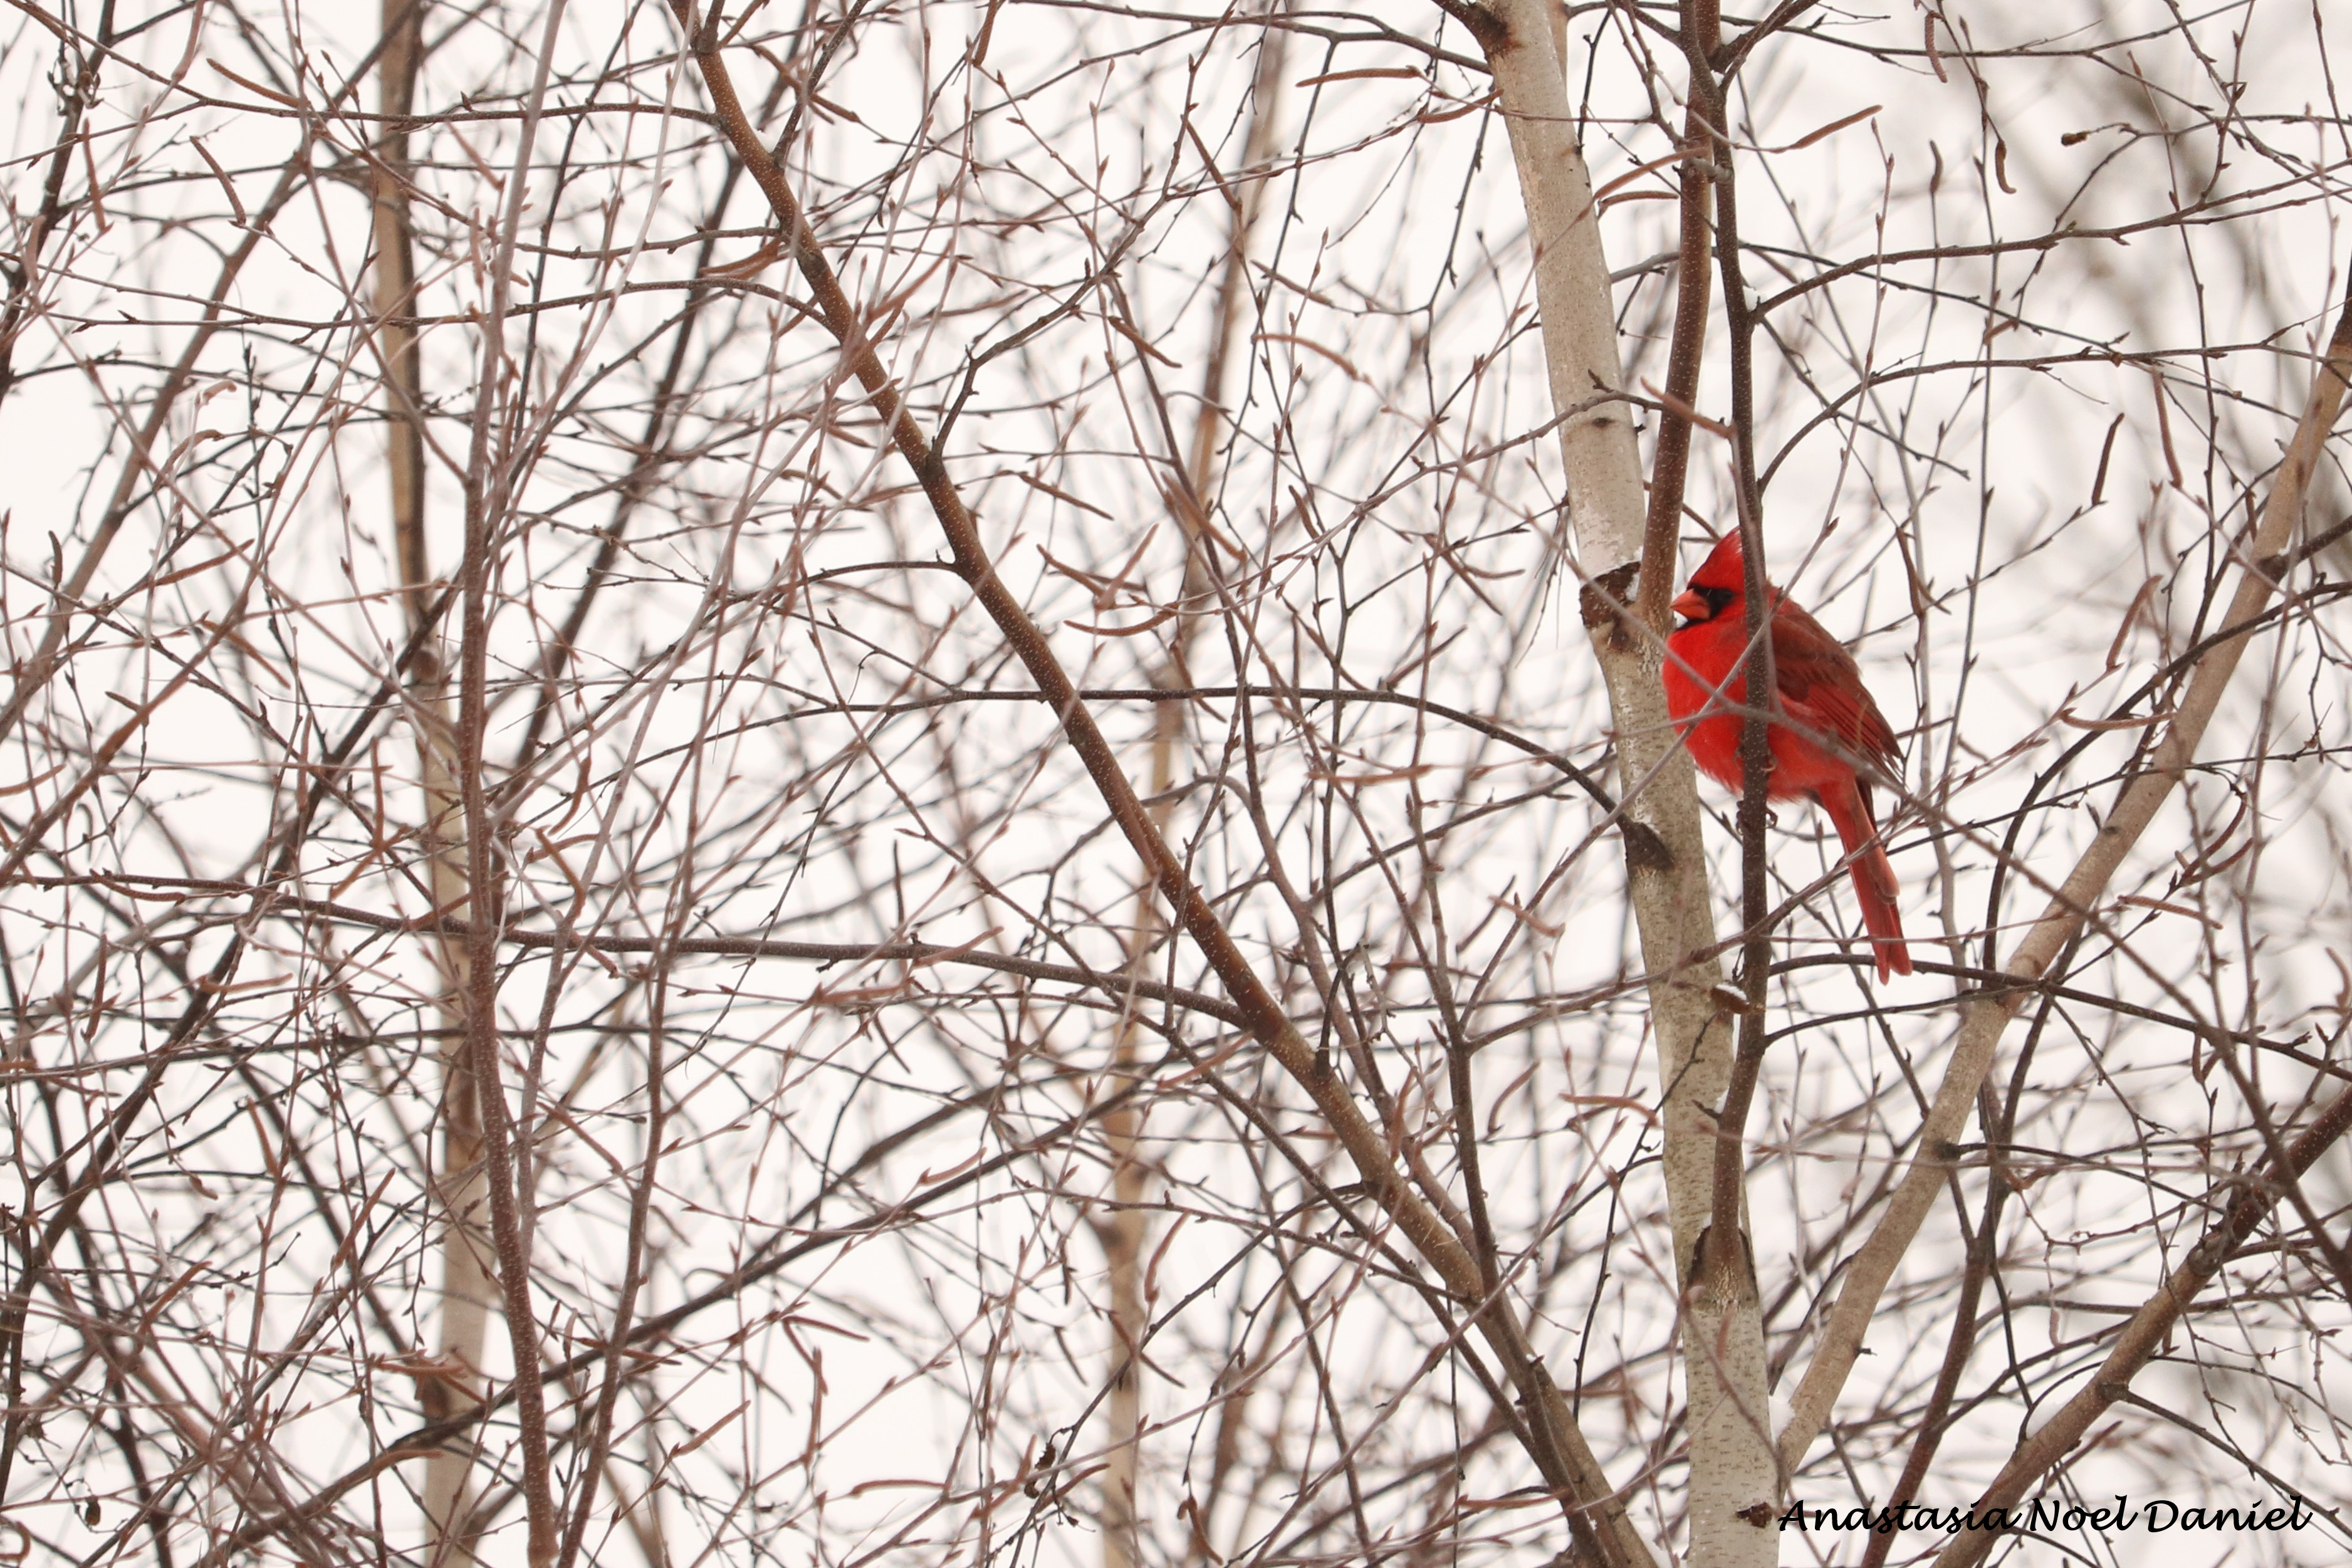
451,1382
1733,1475
1125,1231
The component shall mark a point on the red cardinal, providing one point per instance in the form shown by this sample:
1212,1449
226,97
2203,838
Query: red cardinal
1829,723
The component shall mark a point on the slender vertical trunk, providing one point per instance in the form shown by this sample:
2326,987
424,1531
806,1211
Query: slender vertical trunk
466,1290
1734,1477
1124,1232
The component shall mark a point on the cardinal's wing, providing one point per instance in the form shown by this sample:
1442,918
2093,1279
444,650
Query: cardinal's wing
1821,687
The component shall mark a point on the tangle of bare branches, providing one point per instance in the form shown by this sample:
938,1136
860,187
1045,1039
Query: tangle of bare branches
840,783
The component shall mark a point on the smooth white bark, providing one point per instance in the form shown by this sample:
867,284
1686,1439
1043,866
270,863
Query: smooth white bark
1734,1477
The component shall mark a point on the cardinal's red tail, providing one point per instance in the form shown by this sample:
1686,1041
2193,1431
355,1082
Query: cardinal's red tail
1874,880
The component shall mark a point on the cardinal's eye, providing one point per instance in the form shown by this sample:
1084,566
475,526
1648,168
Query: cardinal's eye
1718,599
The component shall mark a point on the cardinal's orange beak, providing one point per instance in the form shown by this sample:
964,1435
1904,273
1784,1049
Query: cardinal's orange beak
1691,606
